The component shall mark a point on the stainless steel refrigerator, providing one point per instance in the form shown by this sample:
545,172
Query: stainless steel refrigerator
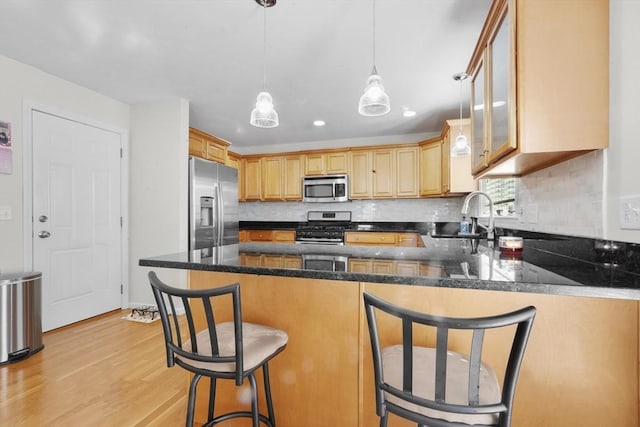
213,204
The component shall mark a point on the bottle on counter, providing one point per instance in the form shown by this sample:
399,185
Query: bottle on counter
464,225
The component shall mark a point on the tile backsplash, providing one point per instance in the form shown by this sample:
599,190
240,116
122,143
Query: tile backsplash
409,210
562,199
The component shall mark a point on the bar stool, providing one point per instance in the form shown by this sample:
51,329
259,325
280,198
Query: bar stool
437,387
228,350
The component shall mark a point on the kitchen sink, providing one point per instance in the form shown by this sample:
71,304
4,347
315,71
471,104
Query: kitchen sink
450,230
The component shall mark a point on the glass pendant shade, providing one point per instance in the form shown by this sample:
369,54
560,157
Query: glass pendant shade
264,115
374,101
460,146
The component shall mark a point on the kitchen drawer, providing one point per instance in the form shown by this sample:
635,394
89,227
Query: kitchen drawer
370,238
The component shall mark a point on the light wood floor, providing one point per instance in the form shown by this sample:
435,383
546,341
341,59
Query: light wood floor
103,371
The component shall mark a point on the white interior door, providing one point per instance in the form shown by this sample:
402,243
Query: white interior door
76,218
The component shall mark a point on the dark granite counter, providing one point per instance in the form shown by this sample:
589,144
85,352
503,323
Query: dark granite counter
547,265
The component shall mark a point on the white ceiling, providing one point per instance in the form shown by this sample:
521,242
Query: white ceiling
318,57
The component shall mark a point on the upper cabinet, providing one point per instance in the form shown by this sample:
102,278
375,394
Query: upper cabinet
206,146
325,163
547,103
440,173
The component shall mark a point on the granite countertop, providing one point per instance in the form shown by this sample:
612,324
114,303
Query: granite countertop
556,265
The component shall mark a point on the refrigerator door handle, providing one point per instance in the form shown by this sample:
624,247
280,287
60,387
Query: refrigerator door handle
220,219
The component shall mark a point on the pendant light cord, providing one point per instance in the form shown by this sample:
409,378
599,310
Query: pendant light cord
374,37
460,96
264,47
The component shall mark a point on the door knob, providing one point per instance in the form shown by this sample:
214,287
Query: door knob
44,234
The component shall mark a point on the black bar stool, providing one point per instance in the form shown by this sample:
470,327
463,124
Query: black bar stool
228,350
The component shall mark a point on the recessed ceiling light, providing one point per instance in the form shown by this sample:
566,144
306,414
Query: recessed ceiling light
318,123
409,113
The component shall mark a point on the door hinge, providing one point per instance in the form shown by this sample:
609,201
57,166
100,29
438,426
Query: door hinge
120,152
121,289
120,222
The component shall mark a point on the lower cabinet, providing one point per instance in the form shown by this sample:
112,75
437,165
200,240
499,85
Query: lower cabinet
276,236
375,238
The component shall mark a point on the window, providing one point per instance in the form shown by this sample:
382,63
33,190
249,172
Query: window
503,193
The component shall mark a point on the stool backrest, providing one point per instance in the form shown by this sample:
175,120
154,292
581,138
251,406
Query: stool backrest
410,322
182,343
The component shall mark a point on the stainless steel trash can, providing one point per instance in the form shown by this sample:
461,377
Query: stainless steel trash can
20,315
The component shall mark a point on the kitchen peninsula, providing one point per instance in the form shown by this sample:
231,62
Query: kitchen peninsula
584,343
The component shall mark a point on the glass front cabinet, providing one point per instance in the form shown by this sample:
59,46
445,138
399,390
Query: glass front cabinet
539,73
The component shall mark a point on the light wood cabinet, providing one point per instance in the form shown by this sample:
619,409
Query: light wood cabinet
206,146
275,236
292,178
407,172
251,167
273,261
372,173
325,163
281,178
528,111
431,167
233,159
375,238
272,173
284,236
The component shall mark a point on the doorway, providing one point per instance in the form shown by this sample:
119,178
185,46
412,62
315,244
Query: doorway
76,222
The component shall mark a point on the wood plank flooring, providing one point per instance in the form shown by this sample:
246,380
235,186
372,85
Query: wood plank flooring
104,371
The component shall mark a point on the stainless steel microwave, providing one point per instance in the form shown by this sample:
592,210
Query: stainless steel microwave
325,188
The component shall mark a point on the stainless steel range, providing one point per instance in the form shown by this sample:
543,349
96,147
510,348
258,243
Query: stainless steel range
324,227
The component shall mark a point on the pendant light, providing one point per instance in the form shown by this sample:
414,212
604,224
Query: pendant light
374,101
461,145
264,115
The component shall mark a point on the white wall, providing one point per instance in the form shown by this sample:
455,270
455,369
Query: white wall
158,191
22,83
623,155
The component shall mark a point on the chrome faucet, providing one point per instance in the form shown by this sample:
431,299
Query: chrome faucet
465,211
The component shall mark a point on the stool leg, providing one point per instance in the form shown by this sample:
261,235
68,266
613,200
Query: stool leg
192,399
255,416
212,398
267,393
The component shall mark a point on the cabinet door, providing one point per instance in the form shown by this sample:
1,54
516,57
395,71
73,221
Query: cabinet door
360,174
292,186
252,178
314,164
407,268
407,172
336,163
197,146
369,238
409,240
501,140
431,169
216,152
383,173
259,235
445,162
283,236
359,265
271,178
478,106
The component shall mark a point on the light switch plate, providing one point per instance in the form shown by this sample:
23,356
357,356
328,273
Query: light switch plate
5,213
630,212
